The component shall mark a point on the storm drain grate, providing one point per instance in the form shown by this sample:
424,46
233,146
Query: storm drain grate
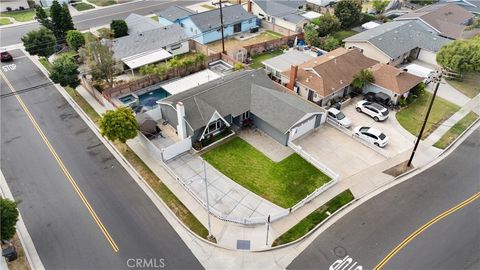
243,244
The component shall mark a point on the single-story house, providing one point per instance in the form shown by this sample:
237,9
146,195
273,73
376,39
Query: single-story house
328,76
447,19
138,24
205,27
13,4
173,14
393,42
44,3
241,98
139,49
473,6
392,81
282,63
288,14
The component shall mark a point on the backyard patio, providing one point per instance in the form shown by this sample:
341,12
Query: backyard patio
233,43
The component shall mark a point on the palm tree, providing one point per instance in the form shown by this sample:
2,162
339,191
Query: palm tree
362,78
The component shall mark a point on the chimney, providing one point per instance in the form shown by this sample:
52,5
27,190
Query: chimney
181,127
249,6
293,76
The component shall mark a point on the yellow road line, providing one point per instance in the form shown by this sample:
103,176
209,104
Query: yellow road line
64,169
412,236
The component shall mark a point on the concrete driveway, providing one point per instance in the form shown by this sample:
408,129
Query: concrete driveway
400,140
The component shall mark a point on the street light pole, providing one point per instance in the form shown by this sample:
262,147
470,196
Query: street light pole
437,78
208,204
221,26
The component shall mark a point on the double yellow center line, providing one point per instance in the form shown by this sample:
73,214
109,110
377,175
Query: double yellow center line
412,236
63,168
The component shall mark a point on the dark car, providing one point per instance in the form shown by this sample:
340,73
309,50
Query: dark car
379,97
6,56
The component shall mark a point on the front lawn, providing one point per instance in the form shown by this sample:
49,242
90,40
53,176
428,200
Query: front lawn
314,218
259,58
469,85
103,3
4,21
284,183
81,6
341,35
20,15
456,130
411,117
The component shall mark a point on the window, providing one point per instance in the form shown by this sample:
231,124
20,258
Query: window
176,46
181,25
214,126
246,115
191,29
237,27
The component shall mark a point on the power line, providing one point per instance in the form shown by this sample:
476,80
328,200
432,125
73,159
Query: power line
18,92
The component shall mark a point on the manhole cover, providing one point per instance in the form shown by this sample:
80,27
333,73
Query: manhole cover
243,244
340,252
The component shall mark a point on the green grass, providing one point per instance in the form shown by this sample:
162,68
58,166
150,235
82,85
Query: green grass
89,36
284,183
341,35
4,21
82,6
102,3
274,34
44,61
20,15
469,85
259,58
151,178
412,116
209,7
155,18
314,218
456,130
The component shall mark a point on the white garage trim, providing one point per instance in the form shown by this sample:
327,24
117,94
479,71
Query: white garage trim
302,129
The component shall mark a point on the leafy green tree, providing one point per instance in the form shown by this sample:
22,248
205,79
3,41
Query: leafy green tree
42,17
61,20
119,28
67,21
461,55
330,43
311,35
75,39
362,78
40,42
380,5
119,124
100,60
65,71
326,24
348,12
8,217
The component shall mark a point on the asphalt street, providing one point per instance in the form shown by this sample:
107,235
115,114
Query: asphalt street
369,232
63,230
11,35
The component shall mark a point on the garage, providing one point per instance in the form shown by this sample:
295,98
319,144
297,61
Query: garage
303,128
427,57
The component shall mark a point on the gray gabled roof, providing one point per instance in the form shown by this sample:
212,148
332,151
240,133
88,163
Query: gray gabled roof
148,41
284,61
137,23
173,13
398,37
239,92
279,8
471,5
208,20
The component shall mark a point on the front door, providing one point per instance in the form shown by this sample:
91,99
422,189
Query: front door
237,27
310,95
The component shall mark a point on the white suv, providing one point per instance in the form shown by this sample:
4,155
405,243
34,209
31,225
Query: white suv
371,135
374,110
338,117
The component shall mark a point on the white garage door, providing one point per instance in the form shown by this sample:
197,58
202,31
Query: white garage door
303,128
427,57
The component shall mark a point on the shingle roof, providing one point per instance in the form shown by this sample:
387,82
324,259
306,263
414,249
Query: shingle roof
148,41
284,61
447,19
333,71
239,92
398,37
470,5
394,79
279,8
211,19
173,13
137,23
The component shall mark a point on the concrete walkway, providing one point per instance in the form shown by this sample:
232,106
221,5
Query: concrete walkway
448,92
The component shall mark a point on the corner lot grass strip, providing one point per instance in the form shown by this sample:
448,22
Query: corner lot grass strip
284,183
456,130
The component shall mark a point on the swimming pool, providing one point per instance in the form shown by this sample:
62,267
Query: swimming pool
144,98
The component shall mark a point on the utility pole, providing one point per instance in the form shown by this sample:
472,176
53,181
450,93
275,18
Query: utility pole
437,78
206,194
268,228
221,26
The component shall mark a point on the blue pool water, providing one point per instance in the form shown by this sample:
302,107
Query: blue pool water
127,99
149,98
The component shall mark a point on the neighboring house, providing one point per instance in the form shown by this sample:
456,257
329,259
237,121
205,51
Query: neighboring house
278,64
13,4
320,5
472,6
287,13
393,42
205,27
392,81
240,98
327,77
446,20
47,3
173,14
138,24
151,46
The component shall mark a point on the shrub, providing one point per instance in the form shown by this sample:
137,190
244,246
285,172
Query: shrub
119,28
75,39
237,66
402,102
65,71
9,9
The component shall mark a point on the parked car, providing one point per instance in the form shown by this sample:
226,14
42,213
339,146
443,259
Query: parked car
379,97
5,56
371,135
372,109
338,117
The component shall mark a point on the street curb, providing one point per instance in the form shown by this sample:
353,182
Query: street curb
25,239
459,136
